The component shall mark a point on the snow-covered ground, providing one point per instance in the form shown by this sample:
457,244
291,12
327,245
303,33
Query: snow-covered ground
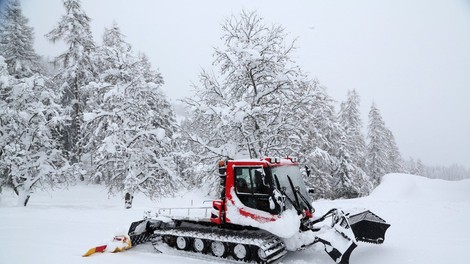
430,224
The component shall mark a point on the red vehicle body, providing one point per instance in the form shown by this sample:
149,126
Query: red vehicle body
231,192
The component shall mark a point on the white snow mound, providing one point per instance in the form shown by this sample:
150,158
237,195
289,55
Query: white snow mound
398,186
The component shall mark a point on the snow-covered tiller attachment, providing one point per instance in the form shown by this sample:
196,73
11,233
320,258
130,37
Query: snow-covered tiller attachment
264,210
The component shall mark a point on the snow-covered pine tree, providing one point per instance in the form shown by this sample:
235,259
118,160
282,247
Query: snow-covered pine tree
350,119
241,109
318,140
29,152
419,168
114,54
76,70
383,155
346,185
145,67
16,42
131,125
354,146
377,160
394,156
408,165
413,167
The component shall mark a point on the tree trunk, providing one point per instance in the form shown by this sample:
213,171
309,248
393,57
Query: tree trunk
26,200
24,191
128,200
23,198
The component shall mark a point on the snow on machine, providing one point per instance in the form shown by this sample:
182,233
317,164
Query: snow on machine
264,210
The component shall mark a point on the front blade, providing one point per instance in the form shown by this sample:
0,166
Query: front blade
368,227
338,254
338,239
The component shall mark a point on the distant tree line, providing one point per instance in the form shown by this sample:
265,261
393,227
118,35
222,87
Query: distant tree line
97,113
453,172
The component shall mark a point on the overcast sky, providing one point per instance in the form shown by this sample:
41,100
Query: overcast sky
412,58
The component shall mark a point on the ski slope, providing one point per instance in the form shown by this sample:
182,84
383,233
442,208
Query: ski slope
429,218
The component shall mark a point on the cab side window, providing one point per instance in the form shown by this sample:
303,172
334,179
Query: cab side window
252,187
243,180
260,184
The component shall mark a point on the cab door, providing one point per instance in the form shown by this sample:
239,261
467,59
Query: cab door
253,187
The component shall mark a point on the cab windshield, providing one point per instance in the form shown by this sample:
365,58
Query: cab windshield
282,173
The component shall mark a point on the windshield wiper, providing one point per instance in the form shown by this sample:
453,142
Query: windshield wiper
297,193
294,191
283,192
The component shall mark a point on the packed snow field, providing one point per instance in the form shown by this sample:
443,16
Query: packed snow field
429,221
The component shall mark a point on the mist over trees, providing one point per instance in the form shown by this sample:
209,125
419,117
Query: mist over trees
101,116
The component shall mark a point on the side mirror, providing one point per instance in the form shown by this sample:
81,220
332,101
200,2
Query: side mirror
307,170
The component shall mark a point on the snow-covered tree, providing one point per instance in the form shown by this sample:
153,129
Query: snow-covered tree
394,156
350,119
414,167
29,153
377,159
76,69
316,138
149,74
354,149
16,42
345,185
419,168
241,108
383,155
320,141
131,126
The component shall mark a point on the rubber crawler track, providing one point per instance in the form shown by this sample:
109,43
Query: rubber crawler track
272,248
